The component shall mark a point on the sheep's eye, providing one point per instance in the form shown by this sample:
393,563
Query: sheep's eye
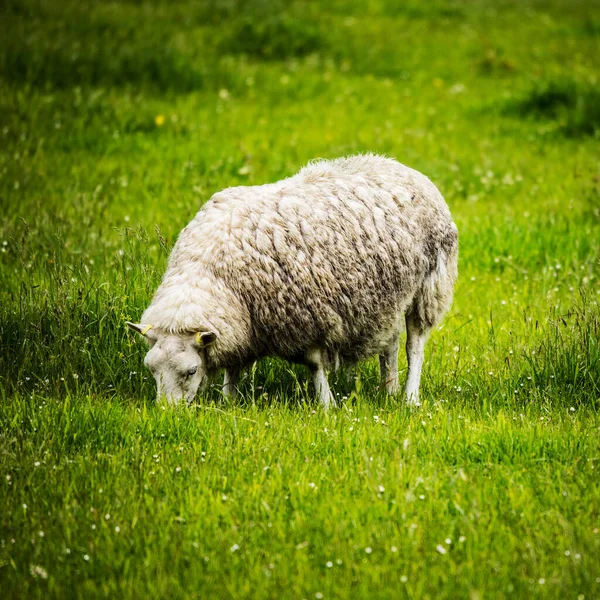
191,371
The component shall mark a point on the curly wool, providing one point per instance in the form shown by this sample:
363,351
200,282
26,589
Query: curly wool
330,258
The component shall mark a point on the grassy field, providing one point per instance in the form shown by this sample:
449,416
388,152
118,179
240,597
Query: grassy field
118,121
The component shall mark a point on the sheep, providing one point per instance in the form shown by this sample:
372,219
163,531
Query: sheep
318,268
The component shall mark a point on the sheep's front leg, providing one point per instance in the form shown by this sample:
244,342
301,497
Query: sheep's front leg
416,336
388,366
230,381
316,362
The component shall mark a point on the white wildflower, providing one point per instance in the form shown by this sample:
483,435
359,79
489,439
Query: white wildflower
38,571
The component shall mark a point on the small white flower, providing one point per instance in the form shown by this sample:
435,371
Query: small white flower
329,564
86,557
107,516
541,581
36,463
38,571
117,529
224,498
234,548
177,469
318,596
441,549
381,489
41,534
394,549
368,550
448,541
462,539
404,579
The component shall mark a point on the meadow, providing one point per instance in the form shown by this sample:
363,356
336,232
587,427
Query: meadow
118,120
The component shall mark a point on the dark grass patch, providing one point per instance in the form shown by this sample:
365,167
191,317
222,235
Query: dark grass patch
591,27
272,37
495,63
574,107
411,9
423,10
121,56
156,46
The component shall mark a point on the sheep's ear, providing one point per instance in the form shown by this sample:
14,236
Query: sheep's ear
138,328
204,338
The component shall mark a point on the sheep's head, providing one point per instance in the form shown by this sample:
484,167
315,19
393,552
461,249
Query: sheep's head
177,361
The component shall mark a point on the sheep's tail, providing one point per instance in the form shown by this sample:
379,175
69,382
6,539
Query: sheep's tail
434,297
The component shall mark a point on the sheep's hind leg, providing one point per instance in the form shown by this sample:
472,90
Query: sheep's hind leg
388,366
316,363
230,381
416,336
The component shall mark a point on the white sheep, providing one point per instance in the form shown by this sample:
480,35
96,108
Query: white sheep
316,268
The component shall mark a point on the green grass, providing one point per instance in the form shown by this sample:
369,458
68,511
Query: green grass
117,121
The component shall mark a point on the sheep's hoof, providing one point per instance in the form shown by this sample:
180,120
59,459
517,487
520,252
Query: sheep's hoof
328,402
413,401
392,390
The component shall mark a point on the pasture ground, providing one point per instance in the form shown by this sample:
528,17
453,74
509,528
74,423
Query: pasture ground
117,121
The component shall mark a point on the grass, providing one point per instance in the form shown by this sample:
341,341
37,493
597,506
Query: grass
575,111
117,121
